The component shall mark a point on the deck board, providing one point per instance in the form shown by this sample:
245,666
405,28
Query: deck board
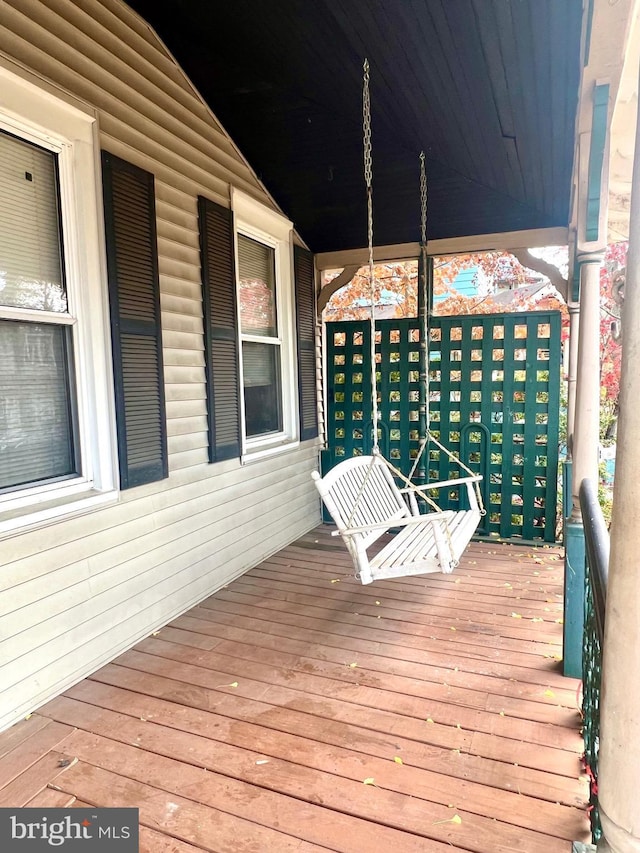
29,751
252,721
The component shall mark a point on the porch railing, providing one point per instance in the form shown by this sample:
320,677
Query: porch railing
597,560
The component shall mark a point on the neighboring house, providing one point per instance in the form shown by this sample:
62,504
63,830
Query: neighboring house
527,297
474,283
140,470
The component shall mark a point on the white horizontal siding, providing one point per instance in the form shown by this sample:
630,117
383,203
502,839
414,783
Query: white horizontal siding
77,593
87,645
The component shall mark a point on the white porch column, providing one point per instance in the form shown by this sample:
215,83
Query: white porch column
587,406
574,331
619,759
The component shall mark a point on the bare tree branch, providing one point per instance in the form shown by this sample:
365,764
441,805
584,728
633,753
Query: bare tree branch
539,265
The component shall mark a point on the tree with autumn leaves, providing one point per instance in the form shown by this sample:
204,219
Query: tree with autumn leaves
395,289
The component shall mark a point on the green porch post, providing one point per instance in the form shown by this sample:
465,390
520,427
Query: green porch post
574,579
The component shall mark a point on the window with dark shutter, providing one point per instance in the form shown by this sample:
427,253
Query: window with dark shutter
221,329
305,324
134,295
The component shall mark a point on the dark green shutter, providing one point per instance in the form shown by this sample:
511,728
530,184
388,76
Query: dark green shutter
220,329
136,335
305,324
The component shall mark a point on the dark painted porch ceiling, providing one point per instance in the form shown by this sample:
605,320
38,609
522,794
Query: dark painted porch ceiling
488,88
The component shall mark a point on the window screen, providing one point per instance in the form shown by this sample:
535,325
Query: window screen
36,397
30,258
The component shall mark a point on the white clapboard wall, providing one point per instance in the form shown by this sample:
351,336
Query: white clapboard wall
76,593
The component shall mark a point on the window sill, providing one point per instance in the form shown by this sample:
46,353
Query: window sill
25,518
263,451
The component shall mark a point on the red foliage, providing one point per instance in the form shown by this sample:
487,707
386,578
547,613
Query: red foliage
610,349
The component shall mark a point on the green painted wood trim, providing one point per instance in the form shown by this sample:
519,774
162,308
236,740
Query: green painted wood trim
596,158
587,38
326,464
574,575
553,425
575,281
530,489
486,407
567,480
509,469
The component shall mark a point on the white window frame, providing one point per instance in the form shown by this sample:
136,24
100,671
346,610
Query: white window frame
252,219
36,112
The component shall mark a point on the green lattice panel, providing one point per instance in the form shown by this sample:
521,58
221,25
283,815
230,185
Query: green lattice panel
349,412
494,387
502,373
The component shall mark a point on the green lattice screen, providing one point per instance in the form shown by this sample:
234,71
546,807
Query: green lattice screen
494,386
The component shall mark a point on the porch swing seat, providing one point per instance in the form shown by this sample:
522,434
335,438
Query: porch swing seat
365,503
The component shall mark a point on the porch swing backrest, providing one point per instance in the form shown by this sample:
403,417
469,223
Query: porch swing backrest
359,492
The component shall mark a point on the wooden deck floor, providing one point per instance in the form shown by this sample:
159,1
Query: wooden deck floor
296,710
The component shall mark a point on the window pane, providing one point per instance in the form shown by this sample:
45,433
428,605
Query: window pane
36,435
30,258
256,267
262,393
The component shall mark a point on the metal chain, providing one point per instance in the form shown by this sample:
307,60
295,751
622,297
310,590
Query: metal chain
368,177
424,327
423,247
423,201
366,128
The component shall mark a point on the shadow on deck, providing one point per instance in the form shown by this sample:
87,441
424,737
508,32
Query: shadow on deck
296,710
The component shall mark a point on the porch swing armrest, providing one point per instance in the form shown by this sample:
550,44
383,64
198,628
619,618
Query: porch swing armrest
426,518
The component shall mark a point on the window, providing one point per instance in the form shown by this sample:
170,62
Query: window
265,311
56,451
260,341
36,403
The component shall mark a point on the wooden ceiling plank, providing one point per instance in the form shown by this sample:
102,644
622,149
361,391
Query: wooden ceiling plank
564,102
539,21
476,127
487,28
458,107
402,62
507,38
524,51
339,68
431,84
437,70
355,27
477,80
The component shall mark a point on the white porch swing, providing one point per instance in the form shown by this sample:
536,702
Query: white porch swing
361,493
